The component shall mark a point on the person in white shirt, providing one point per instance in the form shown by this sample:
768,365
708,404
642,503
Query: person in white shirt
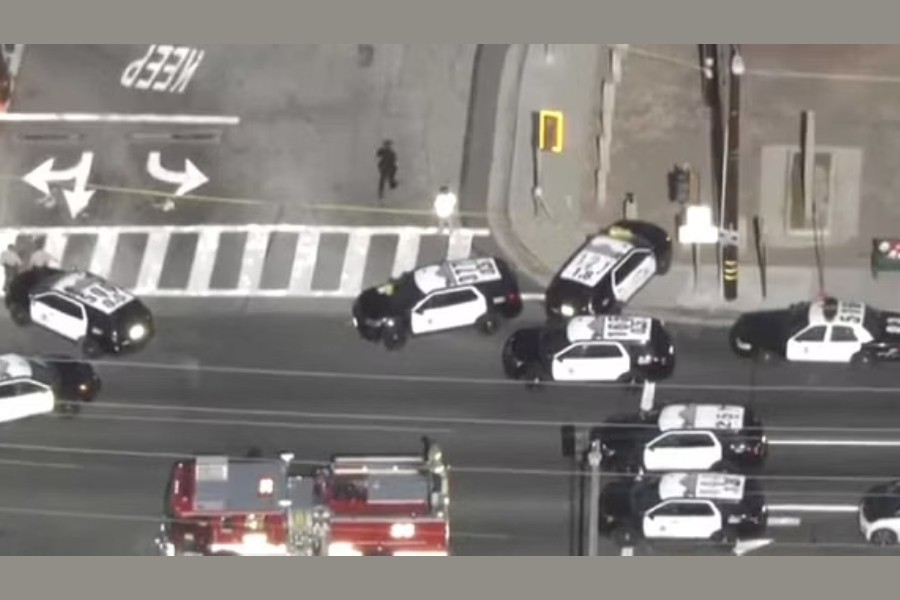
445,209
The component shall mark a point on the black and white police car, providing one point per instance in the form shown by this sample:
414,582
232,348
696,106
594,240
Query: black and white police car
99,316
609,269
35,386
827,330
683,506
437,297
591,348
684,436
879,514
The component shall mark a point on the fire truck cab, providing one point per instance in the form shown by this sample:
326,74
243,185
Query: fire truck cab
365,505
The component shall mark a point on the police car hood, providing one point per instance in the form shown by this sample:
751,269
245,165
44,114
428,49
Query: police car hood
615,498
764,328
375,303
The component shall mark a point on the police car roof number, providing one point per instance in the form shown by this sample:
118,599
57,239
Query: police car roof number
626,328
720,486
475,270
590,265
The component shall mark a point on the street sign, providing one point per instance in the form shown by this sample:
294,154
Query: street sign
698,227
551,131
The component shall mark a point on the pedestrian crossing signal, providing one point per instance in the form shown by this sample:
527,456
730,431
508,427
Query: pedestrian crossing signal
550,131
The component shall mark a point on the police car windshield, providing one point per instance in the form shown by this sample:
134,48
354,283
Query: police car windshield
645,495
406,290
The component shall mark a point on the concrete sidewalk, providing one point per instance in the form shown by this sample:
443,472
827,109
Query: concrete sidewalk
660,120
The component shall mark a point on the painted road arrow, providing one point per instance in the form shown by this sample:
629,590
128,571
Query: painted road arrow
742,547
187,180
78,198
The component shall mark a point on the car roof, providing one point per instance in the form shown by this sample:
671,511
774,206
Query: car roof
697,485
458,272
617,328
92,290
702,416
596,258
826,311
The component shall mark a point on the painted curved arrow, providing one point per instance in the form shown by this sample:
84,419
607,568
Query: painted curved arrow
189,179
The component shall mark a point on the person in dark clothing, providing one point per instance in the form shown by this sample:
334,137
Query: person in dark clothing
387,167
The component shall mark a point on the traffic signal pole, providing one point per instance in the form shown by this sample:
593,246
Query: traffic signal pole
730,207
594,508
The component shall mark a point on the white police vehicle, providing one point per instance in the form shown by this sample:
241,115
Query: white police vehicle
609,269
879,514
32,386
683,436
99,316
827,330
683,506
437,297
591,348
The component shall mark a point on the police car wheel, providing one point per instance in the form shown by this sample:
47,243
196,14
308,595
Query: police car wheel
533,378
487,323
723,467
861,359
724,536
90,348
19,314
67,410
393,338
624,536
663,263
884,537
768,357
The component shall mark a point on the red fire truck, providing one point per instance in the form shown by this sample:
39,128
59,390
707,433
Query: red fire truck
366,505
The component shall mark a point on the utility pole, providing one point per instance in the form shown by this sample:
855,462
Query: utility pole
594,520
734,68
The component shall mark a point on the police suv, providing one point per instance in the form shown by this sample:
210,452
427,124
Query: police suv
683,506
879,514
591,348
35,386
683,436
827,330
609,269
437,297
99,316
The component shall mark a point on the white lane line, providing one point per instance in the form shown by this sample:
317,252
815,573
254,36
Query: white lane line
253,261
35,117
229,228
648,395
204,260
407,252
152,263
628,551
861,443
784,521
460,244
355,263
304,266
103,253
38,464
814,508
532,297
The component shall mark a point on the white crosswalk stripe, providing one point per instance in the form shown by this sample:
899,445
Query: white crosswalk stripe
150,255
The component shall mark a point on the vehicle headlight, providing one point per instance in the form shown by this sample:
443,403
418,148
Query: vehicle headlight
567,310
136,332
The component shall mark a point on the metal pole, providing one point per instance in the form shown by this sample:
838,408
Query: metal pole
730,218
594,520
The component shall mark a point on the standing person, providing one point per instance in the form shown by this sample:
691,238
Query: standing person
40,258
387,167
12,265
445,209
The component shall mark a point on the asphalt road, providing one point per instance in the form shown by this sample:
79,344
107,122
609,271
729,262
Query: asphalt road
311,119
221,382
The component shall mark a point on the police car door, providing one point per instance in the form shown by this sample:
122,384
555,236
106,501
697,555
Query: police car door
678,519
60,315
808,345
447,309
20,398
688,450
633,273
843,343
